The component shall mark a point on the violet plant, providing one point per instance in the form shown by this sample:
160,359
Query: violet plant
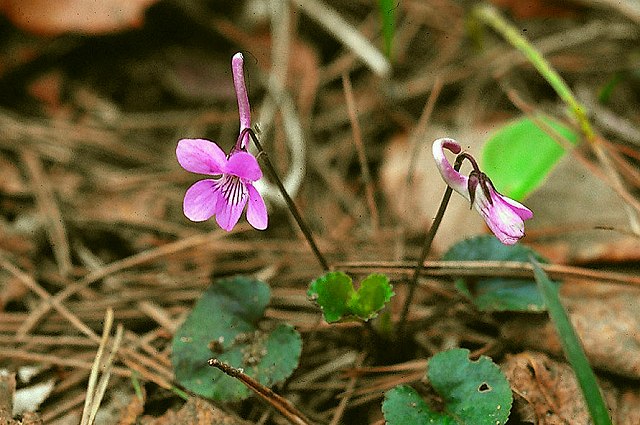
226,196
505,217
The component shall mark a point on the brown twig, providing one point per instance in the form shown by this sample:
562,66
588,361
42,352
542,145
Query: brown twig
278,402
337,414
512,269
50,301
362,157
49,209
134,260
18,354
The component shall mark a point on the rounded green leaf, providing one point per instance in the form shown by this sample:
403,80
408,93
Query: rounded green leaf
374,292
337,298
332,292
520,155
402,405
496,294
224,324
474,392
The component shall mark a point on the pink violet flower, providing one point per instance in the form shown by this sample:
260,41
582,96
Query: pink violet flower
505,217
225,196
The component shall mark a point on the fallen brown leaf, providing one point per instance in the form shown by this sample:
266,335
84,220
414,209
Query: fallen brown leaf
549,390
606,319
195,411
84,16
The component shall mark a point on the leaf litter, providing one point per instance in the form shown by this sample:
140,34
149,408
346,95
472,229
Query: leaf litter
91,195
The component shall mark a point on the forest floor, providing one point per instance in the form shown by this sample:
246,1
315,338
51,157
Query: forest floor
91,218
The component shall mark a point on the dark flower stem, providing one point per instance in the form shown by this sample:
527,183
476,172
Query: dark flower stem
292,207
426,247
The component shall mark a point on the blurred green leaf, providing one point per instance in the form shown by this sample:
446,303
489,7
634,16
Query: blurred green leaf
473,392
604,96
518,157
224,324
496,293
387,16
336,296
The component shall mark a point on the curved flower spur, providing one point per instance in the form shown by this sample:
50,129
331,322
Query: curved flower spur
505,217
226,196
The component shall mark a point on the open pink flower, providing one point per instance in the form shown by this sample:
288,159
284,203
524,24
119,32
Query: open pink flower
505,217
225,196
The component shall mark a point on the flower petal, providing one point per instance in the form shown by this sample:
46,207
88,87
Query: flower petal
244,109
256,209
502,217
522,211
228,214
200,200
454,179
201,156
244,165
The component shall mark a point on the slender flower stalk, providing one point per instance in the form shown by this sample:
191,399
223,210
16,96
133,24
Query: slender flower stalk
505,217
224,196
426,247
292,206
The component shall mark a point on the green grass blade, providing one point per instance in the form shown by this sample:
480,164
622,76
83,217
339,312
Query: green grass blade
387,15
572,347
489,15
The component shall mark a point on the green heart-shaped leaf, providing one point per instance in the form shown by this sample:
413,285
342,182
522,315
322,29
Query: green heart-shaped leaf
224,324
496,293
335,294
474,393
403,406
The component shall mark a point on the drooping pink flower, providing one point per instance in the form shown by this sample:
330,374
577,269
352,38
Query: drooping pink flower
505,217
224,196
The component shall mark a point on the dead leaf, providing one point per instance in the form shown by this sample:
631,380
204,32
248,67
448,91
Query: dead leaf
45,17
130,413
122,408
570,211
195,411
29,399
541,9
628,412
606,318
549,389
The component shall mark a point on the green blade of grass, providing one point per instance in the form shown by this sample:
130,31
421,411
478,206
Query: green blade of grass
572,347
489,15
387,15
